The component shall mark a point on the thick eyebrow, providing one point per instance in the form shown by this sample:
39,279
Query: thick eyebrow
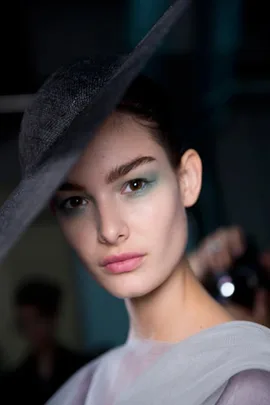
114,174
125,168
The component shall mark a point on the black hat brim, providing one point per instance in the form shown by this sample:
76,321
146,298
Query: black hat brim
35,190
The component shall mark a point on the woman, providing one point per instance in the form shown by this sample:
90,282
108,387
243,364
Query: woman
123,209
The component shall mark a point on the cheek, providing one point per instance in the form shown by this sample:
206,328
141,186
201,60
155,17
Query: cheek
161,219
80,235
172,229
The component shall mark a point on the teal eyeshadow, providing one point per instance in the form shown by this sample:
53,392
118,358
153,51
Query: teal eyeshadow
150,181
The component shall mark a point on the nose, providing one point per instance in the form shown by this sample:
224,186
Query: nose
112,226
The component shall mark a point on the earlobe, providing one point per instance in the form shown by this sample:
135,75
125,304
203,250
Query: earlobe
190,177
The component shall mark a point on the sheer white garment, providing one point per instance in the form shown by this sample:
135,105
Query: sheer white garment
121,368
225,365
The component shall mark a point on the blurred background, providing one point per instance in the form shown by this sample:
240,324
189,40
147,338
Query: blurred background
215,64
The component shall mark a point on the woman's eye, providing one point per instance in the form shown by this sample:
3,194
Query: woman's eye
134,186
73,203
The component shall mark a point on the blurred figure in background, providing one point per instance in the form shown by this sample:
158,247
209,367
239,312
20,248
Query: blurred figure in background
49,364
228,252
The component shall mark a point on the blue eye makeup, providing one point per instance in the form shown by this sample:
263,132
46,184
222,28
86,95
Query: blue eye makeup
75,205
138,186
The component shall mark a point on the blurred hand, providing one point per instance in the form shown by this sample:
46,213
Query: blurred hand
218,251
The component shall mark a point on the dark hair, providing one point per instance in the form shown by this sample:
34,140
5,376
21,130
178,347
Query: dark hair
41,294
148,102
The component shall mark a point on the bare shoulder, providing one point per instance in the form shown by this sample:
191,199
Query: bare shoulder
251,387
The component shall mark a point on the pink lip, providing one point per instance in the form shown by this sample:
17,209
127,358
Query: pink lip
123,263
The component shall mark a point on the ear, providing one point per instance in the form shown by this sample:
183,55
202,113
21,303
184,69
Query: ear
190,177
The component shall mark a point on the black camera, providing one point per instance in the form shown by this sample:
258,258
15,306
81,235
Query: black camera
240,283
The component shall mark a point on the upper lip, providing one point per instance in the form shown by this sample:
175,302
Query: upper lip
120,258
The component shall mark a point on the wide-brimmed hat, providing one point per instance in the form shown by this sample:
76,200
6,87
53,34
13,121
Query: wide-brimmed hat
63,117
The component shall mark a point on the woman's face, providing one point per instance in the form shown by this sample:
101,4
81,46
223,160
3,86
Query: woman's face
123,208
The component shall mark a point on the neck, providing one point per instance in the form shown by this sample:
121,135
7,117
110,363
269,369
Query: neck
179,308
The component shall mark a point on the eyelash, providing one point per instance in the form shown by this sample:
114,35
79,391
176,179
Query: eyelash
62,205
145,182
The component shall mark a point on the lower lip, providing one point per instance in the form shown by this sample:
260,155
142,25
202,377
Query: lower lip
124,266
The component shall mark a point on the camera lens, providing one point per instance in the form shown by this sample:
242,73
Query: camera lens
226,286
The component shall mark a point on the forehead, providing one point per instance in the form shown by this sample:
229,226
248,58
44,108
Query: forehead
121,138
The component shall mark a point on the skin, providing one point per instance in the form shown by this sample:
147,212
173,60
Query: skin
100,218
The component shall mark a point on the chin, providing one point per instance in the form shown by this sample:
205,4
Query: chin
130,294
130,287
